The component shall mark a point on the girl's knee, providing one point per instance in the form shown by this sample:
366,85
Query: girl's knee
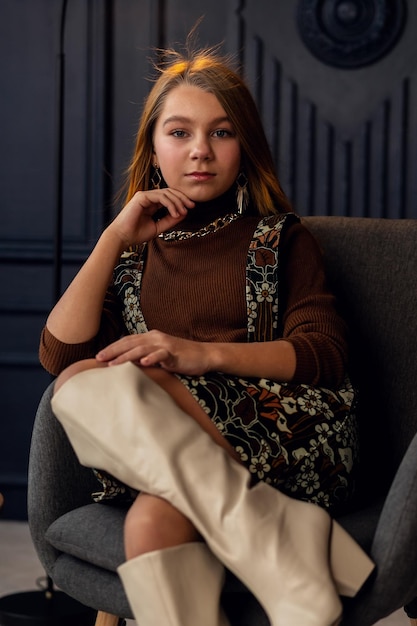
76,368
154,524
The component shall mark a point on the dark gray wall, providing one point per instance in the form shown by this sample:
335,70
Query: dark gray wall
344,138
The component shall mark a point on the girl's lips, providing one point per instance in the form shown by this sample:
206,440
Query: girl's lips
200,176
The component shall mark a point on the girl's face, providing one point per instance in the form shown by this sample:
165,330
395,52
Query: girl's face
195,144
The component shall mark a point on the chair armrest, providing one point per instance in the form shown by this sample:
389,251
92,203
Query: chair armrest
394,549
57,483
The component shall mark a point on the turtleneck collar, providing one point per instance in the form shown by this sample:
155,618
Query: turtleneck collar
206,212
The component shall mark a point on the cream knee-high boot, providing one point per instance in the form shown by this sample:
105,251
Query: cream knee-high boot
288,553
178,586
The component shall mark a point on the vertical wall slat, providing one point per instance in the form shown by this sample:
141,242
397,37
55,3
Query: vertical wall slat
306,155
398,147
288,138
323,170
411,154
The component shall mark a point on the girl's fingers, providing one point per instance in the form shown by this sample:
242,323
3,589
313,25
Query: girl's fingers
136,222
133,348
158,357
176,202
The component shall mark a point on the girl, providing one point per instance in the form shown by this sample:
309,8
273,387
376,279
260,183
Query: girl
202,370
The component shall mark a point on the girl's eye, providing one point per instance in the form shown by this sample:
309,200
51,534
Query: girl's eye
178,133
222,132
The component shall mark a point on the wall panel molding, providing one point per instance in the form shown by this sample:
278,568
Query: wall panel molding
344,141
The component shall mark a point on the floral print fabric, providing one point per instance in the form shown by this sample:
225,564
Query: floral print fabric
297,438
300,439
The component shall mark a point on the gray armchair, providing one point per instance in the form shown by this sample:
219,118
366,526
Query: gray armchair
372,266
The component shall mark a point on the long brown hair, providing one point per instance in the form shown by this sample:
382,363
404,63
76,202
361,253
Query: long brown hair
211,72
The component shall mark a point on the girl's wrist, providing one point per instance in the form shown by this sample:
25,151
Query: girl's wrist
214,357
114,240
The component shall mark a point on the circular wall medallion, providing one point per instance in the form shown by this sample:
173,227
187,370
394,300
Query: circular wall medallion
350,33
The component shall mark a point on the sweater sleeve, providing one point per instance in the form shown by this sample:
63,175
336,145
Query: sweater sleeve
311,321
56,355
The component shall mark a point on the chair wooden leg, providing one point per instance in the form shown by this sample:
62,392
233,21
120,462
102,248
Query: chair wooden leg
106,619
413,622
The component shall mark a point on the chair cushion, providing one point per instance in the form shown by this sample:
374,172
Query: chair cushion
90,585
92,533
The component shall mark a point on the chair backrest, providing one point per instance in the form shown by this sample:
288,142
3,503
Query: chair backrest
372,268
57,483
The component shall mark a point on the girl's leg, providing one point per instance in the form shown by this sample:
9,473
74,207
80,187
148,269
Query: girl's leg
153,523
170,576
171,385
289,553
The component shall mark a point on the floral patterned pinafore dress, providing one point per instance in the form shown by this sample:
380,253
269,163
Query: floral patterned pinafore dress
299,438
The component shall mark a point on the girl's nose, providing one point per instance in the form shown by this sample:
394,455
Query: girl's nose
201,149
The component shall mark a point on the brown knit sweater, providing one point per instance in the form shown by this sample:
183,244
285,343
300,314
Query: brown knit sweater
196,289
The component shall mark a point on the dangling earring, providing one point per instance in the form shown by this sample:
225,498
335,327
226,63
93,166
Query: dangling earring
156,177
242,193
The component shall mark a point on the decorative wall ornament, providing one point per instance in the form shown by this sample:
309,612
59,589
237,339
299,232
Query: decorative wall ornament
350,33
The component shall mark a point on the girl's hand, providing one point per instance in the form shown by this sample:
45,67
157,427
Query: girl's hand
135,223
157,349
